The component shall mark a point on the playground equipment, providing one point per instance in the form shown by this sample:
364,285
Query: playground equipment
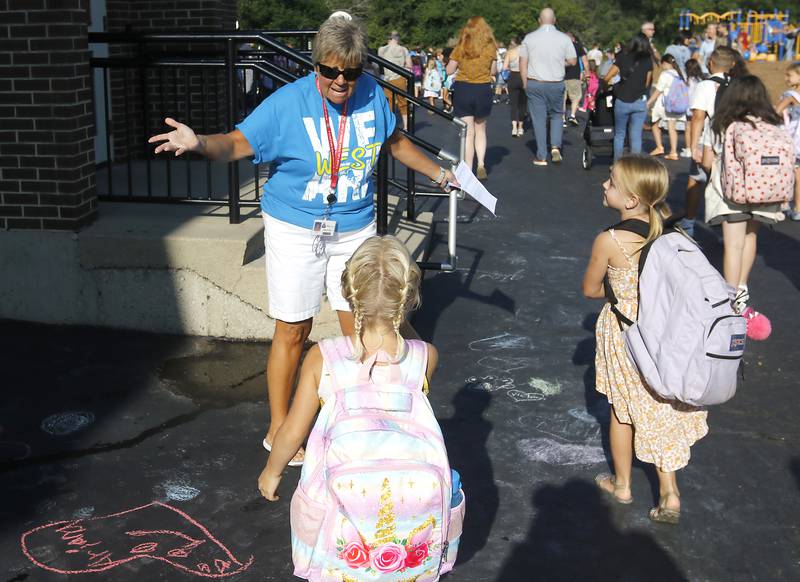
758,35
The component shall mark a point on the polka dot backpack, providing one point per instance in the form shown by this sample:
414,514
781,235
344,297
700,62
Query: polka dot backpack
757,163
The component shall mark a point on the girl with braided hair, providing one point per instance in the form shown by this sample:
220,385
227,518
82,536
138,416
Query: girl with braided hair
381,284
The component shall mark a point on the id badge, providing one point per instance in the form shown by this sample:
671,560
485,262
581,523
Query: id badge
324,227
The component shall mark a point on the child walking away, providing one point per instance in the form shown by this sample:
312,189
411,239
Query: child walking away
789,107
669,102
751,176
416,69
659,430
702,105
376,498
592,87
432,84
694,74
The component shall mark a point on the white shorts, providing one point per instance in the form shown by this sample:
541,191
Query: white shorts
297,276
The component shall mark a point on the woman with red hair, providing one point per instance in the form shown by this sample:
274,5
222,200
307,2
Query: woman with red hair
474,57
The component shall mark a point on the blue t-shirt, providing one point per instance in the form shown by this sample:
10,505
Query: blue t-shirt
288,129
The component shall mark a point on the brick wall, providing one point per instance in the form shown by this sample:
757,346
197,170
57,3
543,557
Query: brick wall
46,119
141,98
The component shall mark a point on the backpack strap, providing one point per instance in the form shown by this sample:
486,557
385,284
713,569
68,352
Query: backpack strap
416,363
336,354
641,228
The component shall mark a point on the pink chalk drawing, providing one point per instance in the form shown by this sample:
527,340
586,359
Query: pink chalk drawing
97,544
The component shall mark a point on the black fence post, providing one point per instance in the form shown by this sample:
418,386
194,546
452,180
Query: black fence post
382,218
411,186
233,167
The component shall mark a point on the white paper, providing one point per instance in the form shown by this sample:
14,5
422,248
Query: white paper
470,184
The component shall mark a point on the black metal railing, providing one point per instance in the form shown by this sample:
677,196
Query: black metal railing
147,76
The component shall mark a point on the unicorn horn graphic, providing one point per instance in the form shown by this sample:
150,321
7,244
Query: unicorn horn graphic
386,527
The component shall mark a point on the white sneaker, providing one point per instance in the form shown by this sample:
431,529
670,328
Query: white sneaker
741,299
794,215
686,153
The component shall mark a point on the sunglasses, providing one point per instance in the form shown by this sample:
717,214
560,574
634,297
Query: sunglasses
333,73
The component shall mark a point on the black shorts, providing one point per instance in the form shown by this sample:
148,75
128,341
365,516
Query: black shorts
472,99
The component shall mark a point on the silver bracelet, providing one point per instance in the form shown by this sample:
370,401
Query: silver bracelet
442,174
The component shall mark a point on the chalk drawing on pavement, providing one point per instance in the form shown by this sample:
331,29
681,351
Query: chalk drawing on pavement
179,490
551,452
65,423
503,341
157,531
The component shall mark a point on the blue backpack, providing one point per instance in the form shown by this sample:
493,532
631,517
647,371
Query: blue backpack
676,101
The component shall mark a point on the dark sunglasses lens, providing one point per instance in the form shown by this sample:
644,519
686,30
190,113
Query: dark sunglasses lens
327,72
333,73
352,74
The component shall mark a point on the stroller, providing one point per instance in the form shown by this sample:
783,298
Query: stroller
599,129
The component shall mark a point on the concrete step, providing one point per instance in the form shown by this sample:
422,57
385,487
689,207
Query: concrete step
181,269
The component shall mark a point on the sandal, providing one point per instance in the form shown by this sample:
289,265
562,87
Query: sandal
657,152
673,157
603,477
663,515
297,460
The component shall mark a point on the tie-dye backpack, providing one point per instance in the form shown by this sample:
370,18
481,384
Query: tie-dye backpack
374,497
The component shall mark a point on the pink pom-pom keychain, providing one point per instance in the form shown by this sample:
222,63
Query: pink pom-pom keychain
759,326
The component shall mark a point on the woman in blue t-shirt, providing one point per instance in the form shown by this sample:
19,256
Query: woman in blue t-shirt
317,207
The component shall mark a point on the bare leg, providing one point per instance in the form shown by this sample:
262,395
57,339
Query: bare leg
346,322
749,251
797,189
669,496
621,437
672,128
656,128
480,141
733,235
284,359
469,154
694,190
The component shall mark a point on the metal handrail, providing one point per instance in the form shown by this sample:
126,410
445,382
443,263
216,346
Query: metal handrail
231,39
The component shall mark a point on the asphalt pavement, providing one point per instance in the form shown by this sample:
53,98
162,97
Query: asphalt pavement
134,457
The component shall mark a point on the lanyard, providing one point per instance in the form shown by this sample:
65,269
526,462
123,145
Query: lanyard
336,154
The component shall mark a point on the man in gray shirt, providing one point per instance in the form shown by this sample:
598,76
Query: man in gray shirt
398,55
543,56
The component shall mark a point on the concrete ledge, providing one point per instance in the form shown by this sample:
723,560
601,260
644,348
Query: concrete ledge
179,269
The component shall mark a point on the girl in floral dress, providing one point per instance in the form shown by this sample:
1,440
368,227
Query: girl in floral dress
659,431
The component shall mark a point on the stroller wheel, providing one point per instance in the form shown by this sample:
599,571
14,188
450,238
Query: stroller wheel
586,160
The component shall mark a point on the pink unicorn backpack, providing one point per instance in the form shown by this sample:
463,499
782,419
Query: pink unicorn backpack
375,492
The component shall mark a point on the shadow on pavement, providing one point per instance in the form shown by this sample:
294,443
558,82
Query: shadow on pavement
465,434
572,537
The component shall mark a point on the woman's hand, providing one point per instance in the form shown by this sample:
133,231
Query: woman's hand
448,179
268,485
182,139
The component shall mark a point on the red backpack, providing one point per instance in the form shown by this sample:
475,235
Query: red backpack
757,163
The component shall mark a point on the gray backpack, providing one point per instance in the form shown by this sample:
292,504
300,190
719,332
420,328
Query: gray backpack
687,342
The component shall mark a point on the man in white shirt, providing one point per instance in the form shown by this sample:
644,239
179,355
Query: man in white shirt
595,55
543,57
649,30
703,103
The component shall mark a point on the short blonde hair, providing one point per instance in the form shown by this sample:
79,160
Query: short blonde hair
340,38
648,180
381,284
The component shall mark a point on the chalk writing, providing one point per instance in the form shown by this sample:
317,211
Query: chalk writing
548,451
65,423
179,490
489,383
544,387
506,365
97,544
520,396
502,277
504,341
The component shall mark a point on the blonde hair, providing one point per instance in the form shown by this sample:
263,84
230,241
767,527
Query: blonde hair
381,284
793,67
475,36
648,180
342,39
